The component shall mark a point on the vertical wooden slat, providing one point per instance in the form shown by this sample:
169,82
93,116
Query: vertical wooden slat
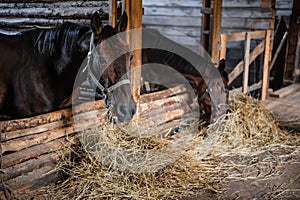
246,63
128,11
135,12
205,28
223,46
113,12
266,71
216,31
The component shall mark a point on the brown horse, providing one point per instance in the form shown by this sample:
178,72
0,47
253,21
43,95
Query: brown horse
39,66
190,71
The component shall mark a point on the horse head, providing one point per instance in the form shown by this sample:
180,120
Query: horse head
205,99
110,62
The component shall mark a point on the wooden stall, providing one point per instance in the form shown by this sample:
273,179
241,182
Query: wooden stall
31,147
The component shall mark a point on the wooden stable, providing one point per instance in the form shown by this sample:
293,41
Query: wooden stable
31,147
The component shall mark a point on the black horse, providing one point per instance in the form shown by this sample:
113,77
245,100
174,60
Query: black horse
39,66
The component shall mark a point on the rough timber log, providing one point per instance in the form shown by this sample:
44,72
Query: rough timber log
31,147
20,15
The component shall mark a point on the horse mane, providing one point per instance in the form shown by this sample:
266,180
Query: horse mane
65,36
59,42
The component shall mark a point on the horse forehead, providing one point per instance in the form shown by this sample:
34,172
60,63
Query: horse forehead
108,31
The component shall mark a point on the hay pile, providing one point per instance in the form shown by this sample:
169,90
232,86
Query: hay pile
122,162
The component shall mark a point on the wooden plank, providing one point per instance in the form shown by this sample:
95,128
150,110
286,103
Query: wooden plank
32,152
172,11
236,37
46,12
257,34
146,98
238,69
223,46
33,180
135,16
48,126
175,20
246,23
242,3
251,88
216,31
19,124
183,40
266,69
53,5
31,165
113,13
241,12
284,4
176,30
172,3
278,49
87,118
285,91
39,129
246,63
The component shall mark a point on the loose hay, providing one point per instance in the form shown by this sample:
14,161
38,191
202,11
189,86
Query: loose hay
207,164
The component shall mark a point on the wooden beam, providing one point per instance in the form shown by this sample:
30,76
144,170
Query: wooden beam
266,70
135,12
278,49
283,92
223,46
205,28
246,63
216,31
113,4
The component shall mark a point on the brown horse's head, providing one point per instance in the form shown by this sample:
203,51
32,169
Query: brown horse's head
112,62
204,99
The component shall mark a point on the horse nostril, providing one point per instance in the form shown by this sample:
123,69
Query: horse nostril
121,111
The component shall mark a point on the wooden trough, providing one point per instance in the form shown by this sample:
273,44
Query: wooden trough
31,147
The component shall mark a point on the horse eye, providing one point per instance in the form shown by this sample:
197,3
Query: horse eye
131,57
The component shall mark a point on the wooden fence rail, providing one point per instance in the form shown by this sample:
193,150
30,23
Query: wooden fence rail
249,57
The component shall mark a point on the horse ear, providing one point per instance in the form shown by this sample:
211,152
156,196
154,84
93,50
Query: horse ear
96,23
122,24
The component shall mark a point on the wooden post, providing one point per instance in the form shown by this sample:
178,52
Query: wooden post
135,11
246,63
205,30
267,56
113,12
216,31
223,46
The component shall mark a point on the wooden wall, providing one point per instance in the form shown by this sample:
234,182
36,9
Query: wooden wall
185,16
179,15
16,15
284,9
